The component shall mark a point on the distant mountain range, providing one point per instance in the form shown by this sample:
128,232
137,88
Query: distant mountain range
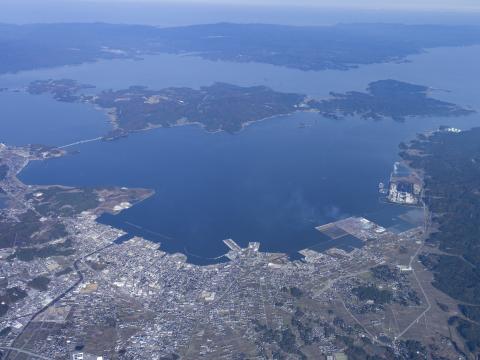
343,46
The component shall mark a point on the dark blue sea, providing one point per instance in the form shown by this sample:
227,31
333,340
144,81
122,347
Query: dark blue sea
272,182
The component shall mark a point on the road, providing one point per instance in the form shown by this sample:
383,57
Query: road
80,142
58,298
415,256
37,356
427,221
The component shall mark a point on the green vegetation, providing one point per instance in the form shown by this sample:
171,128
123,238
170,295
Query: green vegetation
469,331
442,306
9,297
452,164
285,339
39,283
228,107
454,276
217,107
303,325
384,273
413,350
65,271
5,331
296,292
25,231
471,312
62,90
64,201
30,253
387,98
343,46
358,353
96,265
371,292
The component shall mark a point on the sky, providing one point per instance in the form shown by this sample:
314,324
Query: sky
289,12
439,5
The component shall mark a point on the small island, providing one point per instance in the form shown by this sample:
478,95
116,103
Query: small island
62,90
388,99
227,107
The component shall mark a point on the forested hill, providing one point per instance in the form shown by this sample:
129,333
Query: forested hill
451,162
25,47
227,107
